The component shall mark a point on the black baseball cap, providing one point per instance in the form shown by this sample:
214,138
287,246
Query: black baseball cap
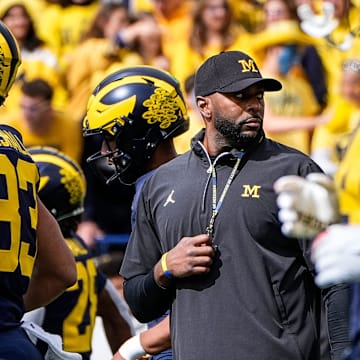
229,72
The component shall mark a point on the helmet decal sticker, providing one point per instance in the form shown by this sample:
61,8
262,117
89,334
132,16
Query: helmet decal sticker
72,185
132,111
162,108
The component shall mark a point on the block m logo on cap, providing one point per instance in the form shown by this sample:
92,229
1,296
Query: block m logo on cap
248,65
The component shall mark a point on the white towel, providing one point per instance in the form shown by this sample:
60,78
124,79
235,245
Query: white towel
55,347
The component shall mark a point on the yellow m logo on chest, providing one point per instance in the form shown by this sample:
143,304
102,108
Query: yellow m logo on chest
251,191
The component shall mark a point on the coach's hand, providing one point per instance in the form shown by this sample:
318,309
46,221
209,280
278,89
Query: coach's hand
306,205
191,256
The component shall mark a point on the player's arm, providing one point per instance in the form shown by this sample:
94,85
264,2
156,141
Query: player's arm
152,341
55,268
115,315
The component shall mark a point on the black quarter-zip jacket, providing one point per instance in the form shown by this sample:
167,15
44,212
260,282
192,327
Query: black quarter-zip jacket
259,300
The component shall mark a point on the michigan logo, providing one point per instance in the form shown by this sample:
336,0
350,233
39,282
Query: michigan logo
251,191
162,108
248,66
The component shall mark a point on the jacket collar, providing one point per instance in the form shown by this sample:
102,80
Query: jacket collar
199,150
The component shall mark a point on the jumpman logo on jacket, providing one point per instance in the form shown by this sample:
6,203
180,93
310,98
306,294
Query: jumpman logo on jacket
170,199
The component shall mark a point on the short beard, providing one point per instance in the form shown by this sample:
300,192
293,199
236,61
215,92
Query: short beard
231,135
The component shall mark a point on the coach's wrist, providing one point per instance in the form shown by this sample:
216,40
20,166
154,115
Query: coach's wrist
164,267
162,274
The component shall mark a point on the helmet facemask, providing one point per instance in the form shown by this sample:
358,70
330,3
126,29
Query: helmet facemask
127,161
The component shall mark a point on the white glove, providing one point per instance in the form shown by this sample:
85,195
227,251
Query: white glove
306,205
336,255
317,25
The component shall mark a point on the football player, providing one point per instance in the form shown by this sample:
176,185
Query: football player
36,266
137,111
72,315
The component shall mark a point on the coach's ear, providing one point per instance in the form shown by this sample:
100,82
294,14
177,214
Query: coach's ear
203,103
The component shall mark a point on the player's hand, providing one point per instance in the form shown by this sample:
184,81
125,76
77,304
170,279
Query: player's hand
306,205
336,255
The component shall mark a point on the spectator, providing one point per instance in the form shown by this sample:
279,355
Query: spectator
340,42
41,124
292,113
38,60
144,37
63,24
213,30
84,69
174,19
280,17
329,139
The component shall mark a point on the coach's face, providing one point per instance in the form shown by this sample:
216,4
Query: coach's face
236,117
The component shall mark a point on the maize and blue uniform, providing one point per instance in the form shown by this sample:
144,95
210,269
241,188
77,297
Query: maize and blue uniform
19,179
72,315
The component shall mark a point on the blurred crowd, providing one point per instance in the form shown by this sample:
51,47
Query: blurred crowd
67,46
